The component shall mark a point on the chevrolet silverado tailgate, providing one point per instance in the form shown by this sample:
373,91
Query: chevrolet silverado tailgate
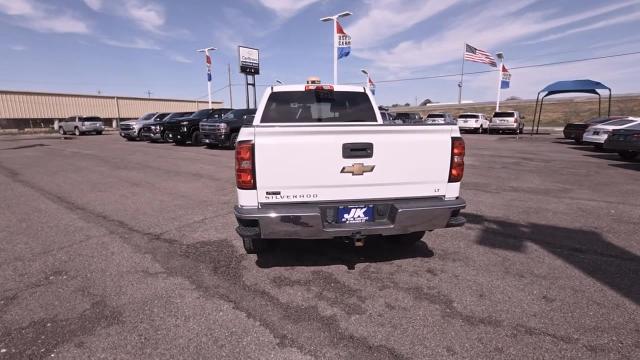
351,162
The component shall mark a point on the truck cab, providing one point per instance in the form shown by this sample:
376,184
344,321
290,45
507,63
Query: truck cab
224,131
318,162
187,129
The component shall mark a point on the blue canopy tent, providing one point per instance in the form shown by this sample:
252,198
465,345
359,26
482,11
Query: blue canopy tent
570,86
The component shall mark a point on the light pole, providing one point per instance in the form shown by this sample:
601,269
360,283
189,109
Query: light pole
334,19
208,63
500,56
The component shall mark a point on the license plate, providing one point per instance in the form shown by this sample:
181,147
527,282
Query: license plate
503,121
355,214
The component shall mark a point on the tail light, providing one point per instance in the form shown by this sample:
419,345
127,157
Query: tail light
245,166
457,160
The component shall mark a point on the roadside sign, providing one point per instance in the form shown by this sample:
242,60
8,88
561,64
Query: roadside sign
249,60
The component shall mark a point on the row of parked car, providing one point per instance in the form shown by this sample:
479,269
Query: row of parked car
220,127
499,122
210,127
617,133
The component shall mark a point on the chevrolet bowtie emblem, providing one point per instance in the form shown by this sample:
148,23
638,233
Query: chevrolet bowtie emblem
357,169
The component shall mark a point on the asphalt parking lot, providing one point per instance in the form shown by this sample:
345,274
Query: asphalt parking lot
115,249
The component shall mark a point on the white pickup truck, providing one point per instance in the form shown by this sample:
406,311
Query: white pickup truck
318,162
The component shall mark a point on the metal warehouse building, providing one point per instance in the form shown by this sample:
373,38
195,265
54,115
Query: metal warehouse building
24,109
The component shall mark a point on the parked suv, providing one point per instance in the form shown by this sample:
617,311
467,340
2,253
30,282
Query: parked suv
224,131
187,129
131,130
154,131
475,122
440,118
503,121
408,118
81,125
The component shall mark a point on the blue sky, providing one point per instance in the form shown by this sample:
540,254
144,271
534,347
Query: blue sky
126,47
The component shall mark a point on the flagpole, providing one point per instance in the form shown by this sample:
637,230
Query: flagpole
334,20
461,76
209,82
501,57
335,51
207,59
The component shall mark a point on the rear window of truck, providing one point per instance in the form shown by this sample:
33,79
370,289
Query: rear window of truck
308,107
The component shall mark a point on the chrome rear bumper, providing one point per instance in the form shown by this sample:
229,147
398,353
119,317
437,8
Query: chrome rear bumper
311,221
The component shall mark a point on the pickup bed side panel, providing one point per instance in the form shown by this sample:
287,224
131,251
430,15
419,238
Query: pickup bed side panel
306,163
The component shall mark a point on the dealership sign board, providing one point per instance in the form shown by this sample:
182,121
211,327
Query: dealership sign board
249,60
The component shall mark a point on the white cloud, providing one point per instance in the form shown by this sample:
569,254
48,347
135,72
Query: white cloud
634,16
17,7
389,17
42,17
133,44
446,45
18,47
228,40
286,8
148,15
95,5
180,59
60,24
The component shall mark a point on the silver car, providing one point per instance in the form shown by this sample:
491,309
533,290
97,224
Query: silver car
503,121
79,125
132,130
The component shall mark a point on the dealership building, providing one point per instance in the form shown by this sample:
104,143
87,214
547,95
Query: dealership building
26,109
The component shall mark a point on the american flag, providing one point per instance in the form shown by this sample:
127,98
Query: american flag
474,54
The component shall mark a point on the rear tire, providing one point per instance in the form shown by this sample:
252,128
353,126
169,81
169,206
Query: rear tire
628,155
254,245
196,140
77,132
61,131
480,130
